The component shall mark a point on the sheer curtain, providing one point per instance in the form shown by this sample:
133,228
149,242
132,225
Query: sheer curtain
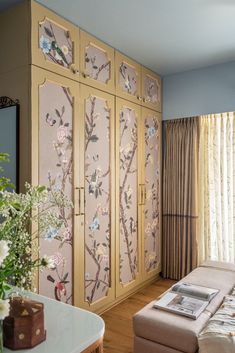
216,240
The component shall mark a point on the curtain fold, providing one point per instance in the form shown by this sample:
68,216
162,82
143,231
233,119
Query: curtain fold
180,201
216,240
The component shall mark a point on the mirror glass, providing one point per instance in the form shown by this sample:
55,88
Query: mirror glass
9,130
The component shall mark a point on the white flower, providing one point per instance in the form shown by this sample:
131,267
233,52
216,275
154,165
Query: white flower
4,250
48,262
148,228
98,208
128,148
155,98
57,258
105,258
104,211
87,276
4,308
129,191
67,234
100,250
127,84
57,56
62,133
65,49
150,159
152,256
155,223
149,194
97,116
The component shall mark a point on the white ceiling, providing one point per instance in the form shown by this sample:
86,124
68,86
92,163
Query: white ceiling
167,36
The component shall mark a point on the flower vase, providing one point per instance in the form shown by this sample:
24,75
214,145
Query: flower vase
1,336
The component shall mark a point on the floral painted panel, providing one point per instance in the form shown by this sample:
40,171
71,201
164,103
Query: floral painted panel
151,89
97,196
97,64
55,171
128,186
55,43
152,184
128,78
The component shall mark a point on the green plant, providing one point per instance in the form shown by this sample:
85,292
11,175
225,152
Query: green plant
4,182
25,217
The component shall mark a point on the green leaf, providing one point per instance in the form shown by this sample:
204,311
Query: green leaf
48,32
41,188
6,286
57,113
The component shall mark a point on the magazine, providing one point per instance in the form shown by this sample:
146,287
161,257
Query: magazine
193,290
186,299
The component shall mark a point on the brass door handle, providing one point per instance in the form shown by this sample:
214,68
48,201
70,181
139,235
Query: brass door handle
82,201
145,194
141,194
75,201
74,69
85,75
146,100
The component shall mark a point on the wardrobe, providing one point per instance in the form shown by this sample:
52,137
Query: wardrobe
90,125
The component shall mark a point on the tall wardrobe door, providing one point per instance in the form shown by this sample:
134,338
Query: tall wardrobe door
55,42
53,123
96,63
151,220
94,271
127,187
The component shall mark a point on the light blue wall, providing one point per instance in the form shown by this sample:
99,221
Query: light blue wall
203,91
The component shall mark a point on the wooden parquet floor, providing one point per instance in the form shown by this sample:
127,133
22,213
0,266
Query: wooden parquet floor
118,320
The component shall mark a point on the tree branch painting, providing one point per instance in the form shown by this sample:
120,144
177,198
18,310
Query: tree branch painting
151,89
55,43
97,194
128,78
97,64
128,195
55,171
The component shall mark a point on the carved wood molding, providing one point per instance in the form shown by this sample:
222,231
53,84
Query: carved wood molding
7,102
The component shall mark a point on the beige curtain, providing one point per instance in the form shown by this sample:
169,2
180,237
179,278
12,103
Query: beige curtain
180,190
216,238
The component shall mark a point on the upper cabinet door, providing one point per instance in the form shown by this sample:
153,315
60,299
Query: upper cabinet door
128,78
96,63
151,90
55,42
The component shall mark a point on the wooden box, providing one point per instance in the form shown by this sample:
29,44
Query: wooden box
24,327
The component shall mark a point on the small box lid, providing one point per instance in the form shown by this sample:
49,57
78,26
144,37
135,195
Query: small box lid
23,307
